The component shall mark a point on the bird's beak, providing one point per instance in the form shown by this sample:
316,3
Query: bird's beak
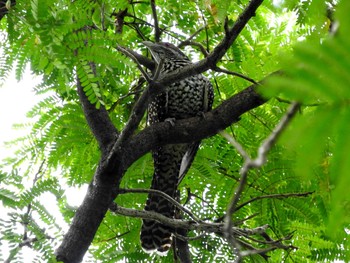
148,44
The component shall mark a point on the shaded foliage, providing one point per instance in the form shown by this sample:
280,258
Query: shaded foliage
59,40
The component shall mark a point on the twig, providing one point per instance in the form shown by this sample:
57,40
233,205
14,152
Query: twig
303,104
258,118
256,163
36,176
264,148
278,196
241,221
179,223
188,238
25,222
217,69
134,24
267,144
130,55
235,144
183,43
137,112
217,228
206,29
196,44
135,92
190,194
254,231
114,237
165,196
157,31
257,251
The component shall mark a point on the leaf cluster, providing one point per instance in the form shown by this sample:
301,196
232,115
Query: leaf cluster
60,40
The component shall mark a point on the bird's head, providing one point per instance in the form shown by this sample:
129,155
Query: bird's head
165,51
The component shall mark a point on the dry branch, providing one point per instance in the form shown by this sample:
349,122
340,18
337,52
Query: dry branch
249,164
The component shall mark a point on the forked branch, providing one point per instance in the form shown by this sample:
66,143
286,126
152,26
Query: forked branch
249,164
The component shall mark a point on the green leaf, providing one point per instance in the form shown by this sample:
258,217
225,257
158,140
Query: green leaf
340,167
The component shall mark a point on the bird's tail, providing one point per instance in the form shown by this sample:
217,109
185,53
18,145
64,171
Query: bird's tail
167,161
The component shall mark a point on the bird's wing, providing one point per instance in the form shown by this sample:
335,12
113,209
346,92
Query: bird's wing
187,160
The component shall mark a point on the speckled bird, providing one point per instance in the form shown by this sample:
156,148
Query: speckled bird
183,99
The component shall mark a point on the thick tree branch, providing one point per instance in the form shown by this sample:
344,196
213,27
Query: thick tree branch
100,192
98,120
137,114
193,129
103,189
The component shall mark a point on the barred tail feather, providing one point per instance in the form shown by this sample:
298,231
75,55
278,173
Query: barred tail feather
167,161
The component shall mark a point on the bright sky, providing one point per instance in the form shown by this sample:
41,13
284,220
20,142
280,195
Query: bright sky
17,98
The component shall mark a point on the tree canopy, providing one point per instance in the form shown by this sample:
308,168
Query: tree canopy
270,179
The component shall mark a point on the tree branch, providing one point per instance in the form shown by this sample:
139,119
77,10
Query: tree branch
144,61
206,227
248,164
278,196
131,55
157,31
219,51
192,129
217,69
189,39
165,196
137,113
98,120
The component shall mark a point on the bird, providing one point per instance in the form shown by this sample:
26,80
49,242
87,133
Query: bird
183,99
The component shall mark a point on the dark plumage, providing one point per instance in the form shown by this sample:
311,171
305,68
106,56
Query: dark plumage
184,99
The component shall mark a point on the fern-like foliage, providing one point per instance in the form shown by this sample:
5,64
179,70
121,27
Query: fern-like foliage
66,41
